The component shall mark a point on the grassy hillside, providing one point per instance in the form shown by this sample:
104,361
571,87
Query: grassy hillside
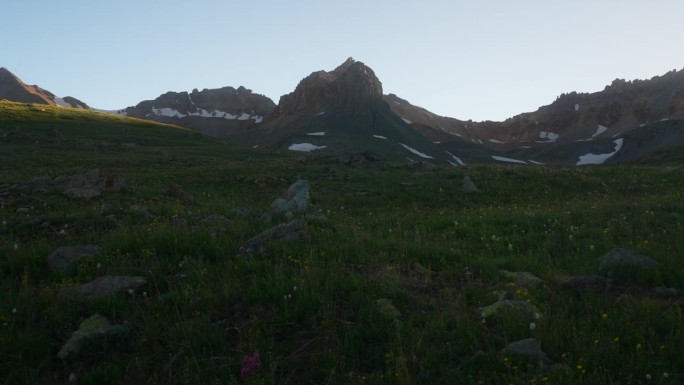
388,290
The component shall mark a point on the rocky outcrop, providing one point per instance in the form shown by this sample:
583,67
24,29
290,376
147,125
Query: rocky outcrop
348,89
215,112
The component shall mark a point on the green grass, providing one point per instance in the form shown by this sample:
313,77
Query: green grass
206,306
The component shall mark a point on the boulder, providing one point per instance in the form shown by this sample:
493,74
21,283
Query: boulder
64,258
528,348
522,278
297,200
91,331
506,306
104,287
623,259
468,185
584,284
282,233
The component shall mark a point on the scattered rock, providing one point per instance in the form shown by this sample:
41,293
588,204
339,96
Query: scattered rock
242,213
507,306
282,233
468,185
619,259
584,284
664,292
175,191
362,160
91,331
104,287
82,193
64,258
83,185
297,199
522,278
529,348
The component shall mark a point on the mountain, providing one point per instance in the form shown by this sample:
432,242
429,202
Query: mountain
215,112
13,89
341,111
573,126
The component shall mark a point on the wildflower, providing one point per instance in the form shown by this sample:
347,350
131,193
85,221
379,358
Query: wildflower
604,315
648,377
638,346
16,246
666,375
250,365
14,311
616,339
533,325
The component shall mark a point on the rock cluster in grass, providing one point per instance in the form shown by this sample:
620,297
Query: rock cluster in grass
104,287
84,185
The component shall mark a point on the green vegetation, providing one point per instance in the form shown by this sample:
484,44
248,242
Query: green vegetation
385,292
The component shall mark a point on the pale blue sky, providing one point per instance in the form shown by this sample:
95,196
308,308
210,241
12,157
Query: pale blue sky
487,59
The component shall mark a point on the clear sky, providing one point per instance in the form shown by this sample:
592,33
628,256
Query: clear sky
485,59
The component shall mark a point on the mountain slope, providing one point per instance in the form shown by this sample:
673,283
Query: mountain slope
342,111
575,125
13,89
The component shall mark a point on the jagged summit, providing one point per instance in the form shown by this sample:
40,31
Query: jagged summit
348,89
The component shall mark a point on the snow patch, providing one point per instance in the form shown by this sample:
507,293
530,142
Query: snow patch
600,130
413,150
190,99
496,141
305,147
168,112
322,133
61,102
320,113
600,158
535,162
244,116
577,107
509,160
379,137
407,121
457,159
258,119
549,136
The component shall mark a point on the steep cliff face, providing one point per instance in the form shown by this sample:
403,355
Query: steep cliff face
349,89
12,88
216,112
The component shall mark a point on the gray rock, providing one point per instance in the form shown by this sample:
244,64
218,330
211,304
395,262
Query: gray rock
468,185
297,199
527,348
64,258
91,330
664,292
285,232
104,287
83,185
585,284
522,278
82,193
618,259
507,306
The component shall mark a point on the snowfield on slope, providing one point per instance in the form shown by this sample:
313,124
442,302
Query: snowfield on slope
305,147
413,150
600,158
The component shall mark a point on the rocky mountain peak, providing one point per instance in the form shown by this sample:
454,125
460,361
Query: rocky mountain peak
346,89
